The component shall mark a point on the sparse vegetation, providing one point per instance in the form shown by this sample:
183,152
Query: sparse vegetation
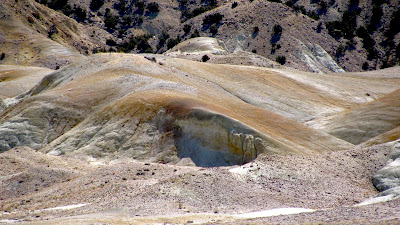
110,21
345,27
187,28
172,42
187,14
205,58
96,4
281,59
213,19
377,30
153,7
277,29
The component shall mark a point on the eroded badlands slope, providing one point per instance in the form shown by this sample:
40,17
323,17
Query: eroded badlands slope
167,109
367,121
100,130
126,105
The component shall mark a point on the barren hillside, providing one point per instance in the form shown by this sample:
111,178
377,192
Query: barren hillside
209,131
142,126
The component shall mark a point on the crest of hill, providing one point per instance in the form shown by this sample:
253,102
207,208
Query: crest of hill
214,52
15,80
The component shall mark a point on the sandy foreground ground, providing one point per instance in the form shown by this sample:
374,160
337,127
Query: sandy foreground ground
42,189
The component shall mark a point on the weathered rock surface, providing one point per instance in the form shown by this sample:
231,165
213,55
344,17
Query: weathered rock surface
388,178
317,58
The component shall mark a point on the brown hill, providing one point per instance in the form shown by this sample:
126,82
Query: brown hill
311,36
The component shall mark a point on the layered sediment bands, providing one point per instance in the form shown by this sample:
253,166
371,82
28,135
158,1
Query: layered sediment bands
35,123
201,137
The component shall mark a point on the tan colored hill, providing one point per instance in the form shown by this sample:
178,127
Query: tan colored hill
367,121
15,80
122,135
174,104
197,48
137,139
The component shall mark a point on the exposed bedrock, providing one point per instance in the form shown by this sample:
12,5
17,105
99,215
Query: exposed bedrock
389,176
38,124
387,179
200,138
210,139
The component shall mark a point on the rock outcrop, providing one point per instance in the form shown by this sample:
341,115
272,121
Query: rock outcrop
317,59
387,179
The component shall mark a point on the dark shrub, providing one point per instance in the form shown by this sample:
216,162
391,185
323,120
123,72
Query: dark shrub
111,21
256,30
195,34
187,28
205,58
213,29
281,59
213,19
96,4
172,42
365,66
277,29
111,42
153,7
80,13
